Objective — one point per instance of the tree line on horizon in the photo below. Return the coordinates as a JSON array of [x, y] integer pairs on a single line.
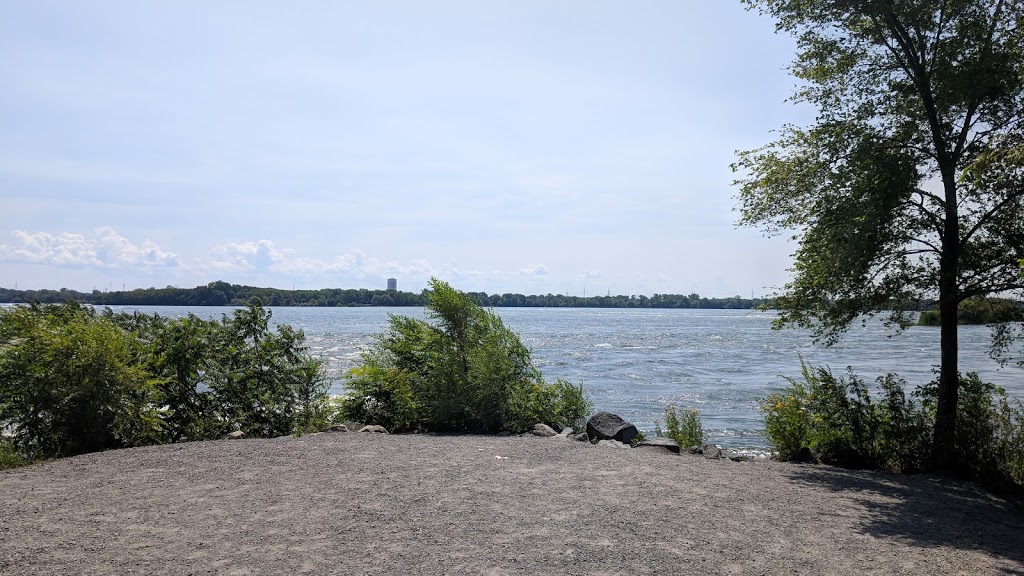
[[224, 294]]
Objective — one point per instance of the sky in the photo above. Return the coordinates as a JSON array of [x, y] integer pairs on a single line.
[[574, 147]]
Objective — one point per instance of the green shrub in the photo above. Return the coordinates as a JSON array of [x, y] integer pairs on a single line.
[[70, 383], [929, 318], [263, 382], [465, 371], [74, 381], [839, 422], [686, 430], [989, 431], [9, 456]]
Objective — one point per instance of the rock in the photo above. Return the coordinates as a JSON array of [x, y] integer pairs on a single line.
[[581, 437], [543, 430], [712, 452], [695, 450], [236, 435], [374, 428], [663, 443], [566, 432], [337, 428], [608, 426], [612, 444]]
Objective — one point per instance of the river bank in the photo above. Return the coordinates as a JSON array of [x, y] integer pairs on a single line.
[[382, 504]]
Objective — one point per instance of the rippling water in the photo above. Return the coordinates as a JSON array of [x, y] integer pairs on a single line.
[[637, 362]]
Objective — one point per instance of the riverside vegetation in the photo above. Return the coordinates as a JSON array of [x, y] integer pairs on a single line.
[[74, 380], [834, 420], [465, 371]]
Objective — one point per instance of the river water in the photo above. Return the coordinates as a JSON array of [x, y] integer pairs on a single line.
[[637, 362]]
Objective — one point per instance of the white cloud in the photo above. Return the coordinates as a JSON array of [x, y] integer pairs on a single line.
[[264, 256], [534, 270], [103, 248]]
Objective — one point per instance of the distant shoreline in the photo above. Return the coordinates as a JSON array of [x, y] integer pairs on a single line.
[[224, 294]]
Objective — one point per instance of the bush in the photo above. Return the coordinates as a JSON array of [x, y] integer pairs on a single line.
[[70, 383], [686, 430], [989, 432], [263, 383], [839, 422], [466, 371], [74, 381], [9, 457]]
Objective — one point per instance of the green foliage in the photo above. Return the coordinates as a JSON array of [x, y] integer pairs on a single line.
[[224, 294], [990, 432], [979, 310], [74, 381], [466, 371], [839, 422], [910, 184], [686, 429], [9, 456], [837, 419], [69, 383], [263, 381]]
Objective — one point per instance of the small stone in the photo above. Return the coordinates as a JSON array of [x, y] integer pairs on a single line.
[[712, 452], [582, 437], [663, 443], [374, 428], [567, 431], [613, 444], [236, 435], [337, 428], [543, 430]]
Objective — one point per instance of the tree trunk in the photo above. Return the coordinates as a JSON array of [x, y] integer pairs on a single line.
[[944, 438]]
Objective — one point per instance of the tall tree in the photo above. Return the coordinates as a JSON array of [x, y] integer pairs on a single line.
[[910, 183]]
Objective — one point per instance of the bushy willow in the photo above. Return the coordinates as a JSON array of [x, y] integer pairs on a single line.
[[463, 370]]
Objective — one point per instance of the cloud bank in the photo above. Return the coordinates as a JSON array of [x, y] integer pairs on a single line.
[[103, 248]]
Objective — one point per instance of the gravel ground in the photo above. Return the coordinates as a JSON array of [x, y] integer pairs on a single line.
[[349, 503]]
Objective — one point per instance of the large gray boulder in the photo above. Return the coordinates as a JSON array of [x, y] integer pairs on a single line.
[[608, 426]]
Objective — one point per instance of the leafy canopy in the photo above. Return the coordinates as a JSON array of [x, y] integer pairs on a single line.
[[909, 185]]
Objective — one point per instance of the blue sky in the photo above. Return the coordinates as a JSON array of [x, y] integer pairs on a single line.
[[520, 146]]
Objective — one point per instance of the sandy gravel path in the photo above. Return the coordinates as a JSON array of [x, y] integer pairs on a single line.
[[352, 503]]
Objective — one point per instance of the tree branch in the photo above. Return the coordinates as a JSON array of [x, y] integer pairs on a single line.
[[987, 216]]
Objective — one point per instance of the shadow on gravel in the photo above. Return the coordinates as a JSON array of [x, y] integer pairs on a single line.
[[926, 510]]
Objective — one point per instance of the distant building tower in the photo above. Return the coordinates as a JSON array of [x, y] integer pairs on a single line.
[[392, 285]]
